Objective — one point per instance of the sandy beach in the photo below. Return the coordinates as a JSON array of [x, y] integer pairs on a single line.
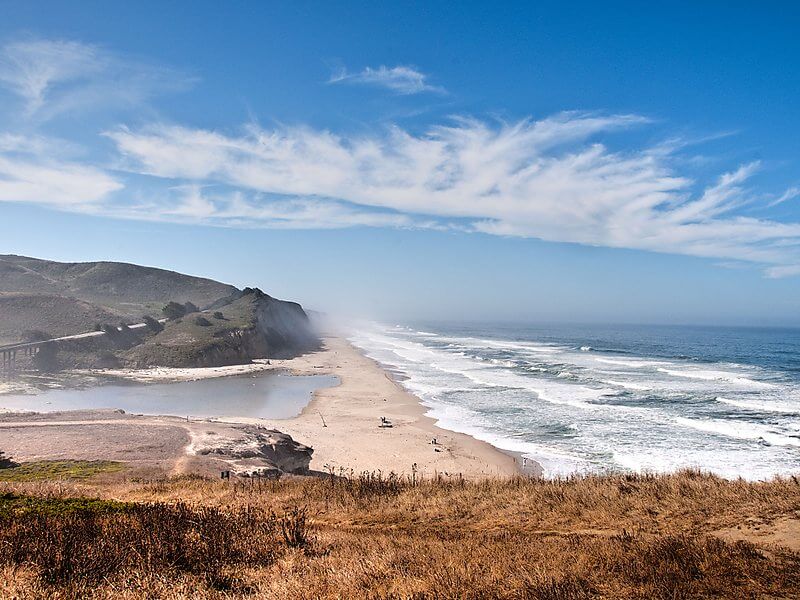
[[341, 423], [351, 437]]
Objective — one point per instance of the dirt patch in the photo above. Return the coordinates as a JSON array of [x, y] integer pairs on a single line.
[[783, 532]]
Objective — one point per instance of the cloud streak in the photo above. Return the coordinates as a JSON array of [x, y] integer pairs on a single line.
[[401, 79], [206, 205], [60, 184], [548, 179], [53, 77]]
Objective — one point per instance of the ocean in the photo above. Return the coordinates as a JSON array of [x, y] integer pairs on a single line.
[[601, 398]]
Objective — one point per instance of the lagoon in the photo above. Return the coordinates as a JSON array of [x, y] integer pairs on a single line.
[[267, 396]]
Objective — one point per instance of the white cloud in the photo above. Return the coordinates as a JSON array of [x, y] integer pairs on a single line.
[[37, 169], [547, 179], [401, 79], [197, 204], [32, 68], [783, 271], [790, 194], [52, 77], [60, 184]]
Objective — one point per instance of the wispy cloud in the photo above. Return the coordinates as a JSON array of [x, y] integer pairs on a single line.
[[783, 271], [204, 205], [401, 79], [549, 178], [546, 179], [28, 174], [790, 194], [52, 77]]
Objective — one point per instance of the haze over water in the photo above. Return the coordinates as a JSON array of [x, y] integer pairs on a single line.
[[594, 398]]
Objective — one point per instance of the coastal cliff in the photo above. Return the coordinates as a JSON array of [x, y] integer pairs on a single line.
[[247, 325], [211, 323]]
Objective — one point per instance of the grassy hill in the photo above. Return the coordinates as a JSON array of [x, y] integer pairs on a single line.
[[125, 289], [69, 298], [53, 315], [60, 299], [234, 330]]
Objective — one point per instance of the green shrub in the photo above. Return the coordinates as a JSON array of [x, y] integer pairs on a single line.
[[152, 324], [173, 310], [35, 335], [6, 462], [46, 359]]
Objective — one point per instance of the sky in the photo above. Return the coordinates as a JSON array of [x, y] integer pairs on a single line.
[[613, 162]]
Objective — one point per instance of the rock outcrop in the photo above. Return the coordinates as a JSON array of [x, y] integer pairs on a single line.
[[249, 324], [259, 451]]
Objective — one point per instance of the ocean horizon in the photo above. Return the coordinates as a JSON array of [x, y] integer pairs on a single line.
[[599, 398]]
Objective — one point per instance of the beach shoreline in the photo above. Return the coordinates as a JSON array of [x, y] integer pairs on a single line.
[[343, 423], [368, 422]]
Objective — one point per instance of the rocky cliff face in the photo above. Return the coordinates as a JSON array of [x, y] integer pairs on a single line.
[[248, 324], [284, 326]]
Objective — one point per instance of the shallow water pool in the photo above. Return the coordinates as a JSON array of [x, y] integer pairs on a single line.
[[267, 396]]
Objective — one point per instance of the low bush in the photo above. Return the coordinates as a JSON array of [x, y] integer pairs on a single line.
[[35, 335], [173, 311], [79, 547], [6, 462], [46, 359], [152, 324]]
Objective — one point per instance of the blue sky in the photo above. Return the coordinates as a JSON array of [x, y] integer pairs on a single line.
[[466, 161]]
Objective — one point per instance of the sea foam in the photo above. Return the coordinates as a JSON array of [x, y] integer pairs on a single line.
[[575, 410]]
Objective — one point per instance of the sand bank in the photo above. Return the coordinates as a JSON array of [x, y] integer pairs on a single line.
[[174, 374]]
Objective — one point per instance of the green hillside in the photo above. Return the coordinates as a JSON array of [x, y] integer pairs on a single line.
[[124, 289], [234, 331], [21, 314]]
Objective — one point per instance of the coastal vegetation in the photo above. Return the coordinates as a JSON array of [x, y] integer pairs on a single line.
[[45, 470], [254, 326], [684, 535], [66, 299], [112, 290]]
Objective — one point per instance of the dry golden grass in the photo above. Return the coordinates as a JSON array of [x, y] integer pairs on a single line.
[[374, 536]]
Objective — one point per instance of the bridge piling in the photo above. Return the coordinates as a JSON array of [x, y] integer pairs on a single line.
[[8, 356]]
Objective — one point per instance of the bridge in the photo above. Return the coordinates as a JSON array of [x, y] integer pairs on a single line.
[[8, 353]]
